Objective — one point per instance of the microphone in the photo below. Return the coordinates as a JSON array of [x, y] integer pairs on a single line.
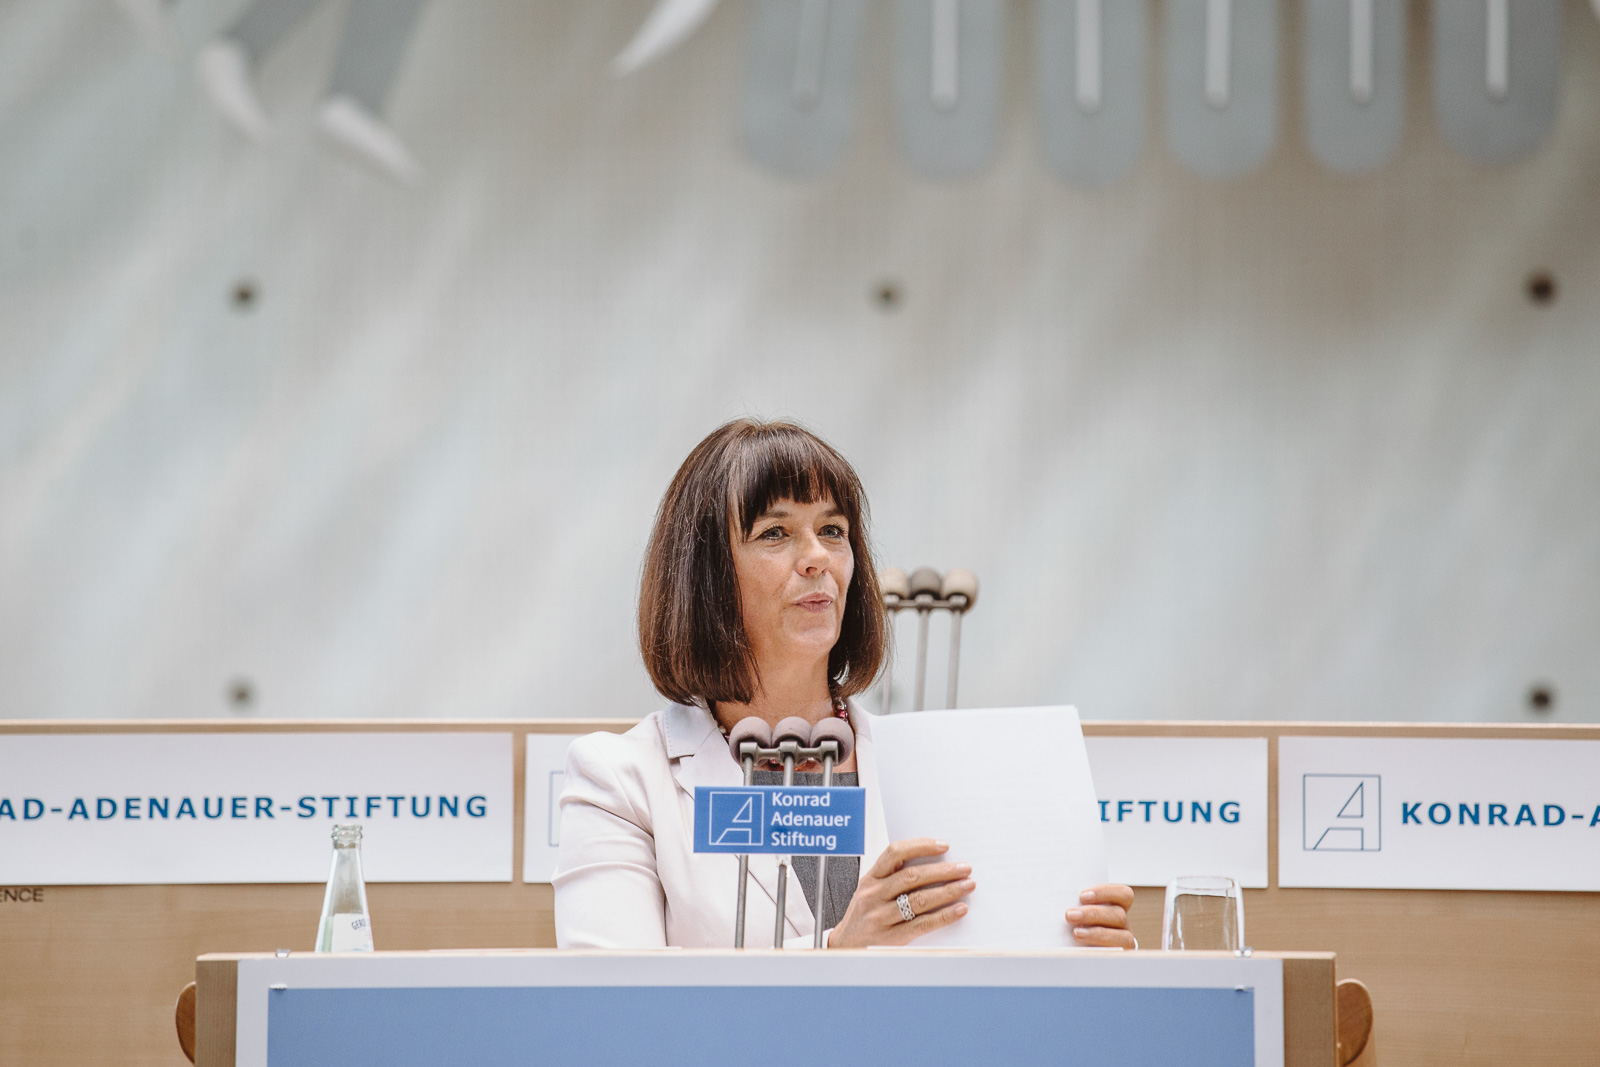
[[749, 737], [750, 728], [838, 731], [793, 740]]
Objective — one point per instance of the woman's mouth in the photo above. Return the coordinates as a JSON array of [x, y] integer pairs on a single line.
[[815, 602]]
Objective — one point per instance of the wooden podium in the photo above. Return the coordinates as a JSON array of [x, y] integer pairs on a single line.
[[766, 1008]]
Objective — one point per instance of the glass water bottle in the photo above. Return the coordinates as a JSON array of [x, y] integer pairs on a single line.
[[345, 926]]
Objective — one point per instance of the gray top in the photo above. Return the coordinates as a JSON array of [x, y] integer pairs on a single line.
[[843, 871]]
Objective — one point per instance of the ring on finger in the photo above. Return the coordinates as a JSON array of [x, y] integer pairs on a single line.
[[903, 902]]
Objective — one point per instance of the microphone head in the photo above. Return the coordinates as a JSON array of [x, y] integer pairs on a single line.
[[834, 729], [960, 582], [892, 580], [925, 580], [750, 728], [794, 728]]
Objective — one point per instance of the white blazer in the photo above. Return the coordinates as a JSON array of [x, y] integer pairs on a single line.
[[627, 875]]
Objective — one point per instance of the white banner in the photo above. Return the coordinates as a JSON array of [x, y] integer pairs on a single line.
[[126, 809], [541, 815], [1182, 805], [1419, 813]]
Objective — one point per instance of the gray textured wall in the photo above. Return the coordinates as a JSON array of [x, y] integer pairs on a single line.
[[1294, 446]]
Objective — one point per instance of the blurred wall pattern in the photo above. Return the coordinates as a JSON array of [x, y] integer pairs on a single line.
[[281, 437]]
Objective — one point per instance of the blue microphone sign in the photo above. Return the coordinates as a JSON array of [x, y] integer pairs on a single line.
[[784, 820]]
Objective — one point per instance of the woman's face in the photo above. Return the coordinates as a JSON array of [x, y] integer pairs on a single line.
[[794, 570]]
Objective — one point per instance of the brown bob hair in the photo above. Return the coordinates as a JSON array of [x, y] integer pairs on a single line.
[[691, 628]]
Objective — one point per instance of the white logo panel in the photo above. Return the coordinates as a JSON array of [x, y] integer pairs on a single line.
[[544, 775], [138, 808], [1182, 805], [1438, 813]]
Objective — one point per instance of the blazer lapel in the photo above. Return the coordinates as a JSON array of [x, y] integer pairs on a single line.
[[697, 750], [700, 756]]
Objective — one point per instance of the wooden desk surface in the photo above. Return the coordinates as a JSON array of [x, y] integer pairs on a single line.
[[1457, 978]]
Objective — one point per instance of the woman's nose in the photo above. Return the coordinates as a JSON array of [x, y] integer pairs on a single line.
[[813, 554]]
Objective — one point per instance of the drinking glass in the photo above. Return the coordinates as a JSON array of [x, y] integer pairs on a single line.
[[1203, 913]]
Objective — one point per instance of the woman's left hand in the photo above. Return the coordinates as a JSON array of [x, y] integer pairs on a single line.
[[1101, 919]]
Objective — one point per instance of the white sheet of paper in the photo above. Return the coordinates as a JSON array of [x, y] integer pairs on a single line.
[[1010, 789]]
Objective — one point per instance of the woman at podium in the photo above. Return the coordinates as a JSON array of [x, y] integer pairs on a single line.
[[759, 597]]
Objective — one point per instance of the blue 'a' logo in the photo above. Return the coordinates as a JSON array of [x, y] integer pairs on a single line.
[[1342, 813], [738, 818]]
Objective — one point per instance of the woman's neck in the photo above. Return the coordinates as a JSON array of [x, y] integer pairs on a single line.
[[785, 689]]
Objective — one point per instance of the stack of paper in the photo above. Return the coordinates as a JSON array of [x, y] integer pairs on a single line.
[[1009, 789]]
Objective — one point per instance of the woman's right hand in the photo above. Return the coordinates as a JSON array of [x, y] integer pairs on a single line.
[[873, 917]]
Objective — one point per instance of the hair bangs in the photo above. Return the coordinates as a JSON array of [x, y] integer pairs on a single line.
[[784, 463]]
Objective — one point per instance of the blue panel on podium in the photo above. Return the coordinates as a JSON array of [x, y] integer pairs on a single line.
[[769, 1026]]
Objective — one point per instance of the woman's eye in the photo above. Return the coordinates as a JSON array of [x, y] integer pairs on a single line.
[[771, 533], [832, 530]]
